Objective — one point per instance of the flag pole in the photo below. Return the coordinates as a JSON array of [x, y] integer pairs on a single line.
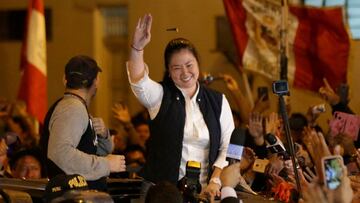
[[245, 80], [283, 76], [284, 41]]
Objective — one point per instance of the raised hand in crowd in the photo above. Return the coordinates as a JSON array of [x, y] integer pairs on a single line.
[[355, 185], [261, 104], [343, 141], [304, 155], [256, 128], [272, 124], [317, 147], [230, 82], [276, 164], [328, 93], [314, 192], [247, 159], [313, 114], [121, 113]]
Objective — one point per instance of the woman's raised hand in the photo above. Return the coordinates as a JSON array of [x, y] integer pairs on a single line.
[[142, 34]]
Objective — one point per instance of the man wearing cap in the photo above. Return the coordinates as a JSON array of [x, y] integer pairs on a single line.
[[74, 141]]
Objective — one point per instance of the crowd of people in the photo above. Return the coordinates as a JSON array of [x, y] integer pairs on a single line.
[[183, 120]]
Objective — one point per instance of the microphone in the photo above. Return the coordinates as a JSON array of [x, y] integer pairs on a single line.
[[274, 144], [236, 146], [207, 79]]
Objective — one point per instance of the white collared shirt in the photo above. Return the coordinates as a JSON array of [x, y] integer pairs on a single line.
[[196, 141]]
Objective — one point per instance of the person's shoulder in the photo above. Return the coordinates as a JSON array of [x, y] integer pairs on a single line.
[[70, 105]]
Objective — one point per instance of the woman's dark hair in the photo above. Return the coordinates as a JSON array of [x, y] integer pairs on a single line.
[[175, 46]]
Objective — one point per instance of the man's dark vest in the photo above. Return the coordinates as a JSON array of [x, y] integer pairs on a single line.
[[167, 132], [85, 145]]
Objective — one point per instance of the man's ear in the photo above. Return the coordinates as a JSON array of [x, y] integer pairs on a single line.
[[64, 80], [96, 81]]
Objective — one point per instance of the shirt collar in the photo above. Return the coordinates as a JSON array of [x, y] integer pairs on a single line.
[[196, 92]]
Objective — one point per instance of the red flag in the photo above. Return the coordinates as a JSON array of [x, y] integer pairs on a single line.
[[318, 41], [33, 86]]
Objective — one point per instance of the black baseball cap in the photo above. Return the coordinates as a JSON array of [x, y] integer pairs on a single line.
[[80, 71], [58, 185]]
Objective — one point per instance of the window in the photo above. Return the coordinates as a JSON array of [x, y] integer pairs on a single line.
[[12, 24]]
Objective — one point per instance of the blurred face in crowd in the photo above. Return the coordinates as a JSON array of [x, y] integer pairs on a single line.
[[119, 142], [184, 70], [135, 158], [27, 167], [143, 131]]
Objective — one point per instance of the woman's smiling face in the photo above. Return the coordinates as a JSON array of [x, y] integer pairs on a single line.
[[184, 69]]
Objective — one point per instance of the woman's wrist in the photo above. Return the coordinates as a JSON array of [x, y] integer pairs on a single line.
[[136, 48], [215, 180]]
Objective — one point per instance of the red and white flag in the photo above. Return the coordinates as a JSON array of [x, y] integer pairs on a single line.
[[318, 43], [33, 86]]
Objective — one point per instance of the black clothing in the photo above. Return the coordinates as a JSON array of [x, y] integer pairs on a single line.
[[167, 131]]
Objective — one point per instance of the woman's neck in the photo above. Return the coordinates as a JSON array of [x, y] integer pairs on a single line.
[[190, 92]]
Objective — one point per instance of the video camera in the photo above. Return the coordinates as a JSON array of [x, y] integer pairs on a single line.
[[280, 87]]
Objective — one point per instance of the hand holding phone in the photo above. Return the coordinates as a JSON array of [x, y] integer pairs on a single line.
[[345, 123]]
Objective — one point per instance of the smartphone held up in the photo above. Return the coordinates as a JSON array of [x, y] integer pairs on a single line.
[[332, 167]]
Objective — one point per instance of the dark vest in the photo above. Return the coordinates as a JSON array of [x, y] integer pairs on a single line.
[[167, 131], [85, 145]]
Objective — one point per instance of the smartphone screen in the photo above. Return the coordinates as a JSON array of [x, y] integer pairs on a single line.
[[263, 91], [332, 167]]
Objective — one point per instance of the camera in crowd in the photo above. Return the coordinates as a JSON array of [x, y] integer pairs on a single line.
[[280, 87], [189, 185]]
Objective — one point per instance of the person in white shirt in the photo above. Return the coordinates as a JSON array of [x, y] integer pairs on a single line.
[[188, 121]]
